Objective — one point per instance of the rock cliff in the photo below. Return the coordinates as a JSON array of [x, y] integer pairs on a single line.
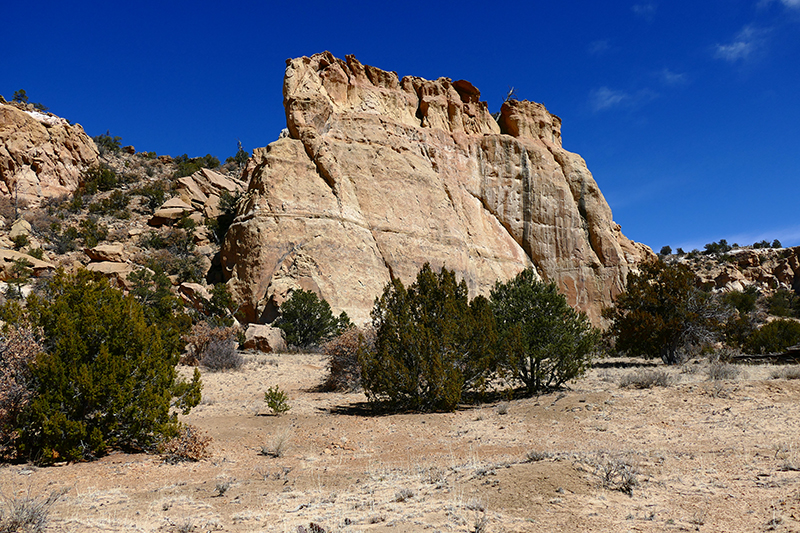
[[768, 269], [41, 155], [377, 175]]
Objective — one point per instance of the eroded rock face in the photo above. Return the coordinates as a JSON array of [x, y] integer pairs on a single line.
[[378, 175], [768, 269], [41, 155]]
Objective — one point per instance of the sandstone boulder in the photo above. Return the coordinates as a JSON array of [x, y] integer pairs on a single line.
[[194, 294], [170, 211], [41, 155], [107, 252], [264, 339], [116, 271], [9, 257], [379, 175]]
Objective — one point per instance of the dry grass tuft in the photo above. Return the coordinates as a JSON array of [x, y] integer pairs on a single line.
[[29, 514], [646, 379], [719, 371], [787, 372]]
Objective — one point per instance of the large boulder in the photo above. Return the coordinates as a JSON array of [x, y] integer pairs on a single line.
[[378, 175], [264, 339], [41, 155]]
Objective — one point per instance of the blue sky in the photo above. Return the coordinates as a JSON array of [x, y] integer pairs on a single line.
[[687, 113]]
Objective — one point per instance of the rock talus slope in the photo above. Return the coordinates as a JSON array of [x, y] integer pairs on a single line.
[[41, 155], [378, 175]]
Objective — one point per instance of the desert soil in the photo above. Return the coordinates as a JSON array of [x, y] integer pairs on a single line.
[[698, 455]]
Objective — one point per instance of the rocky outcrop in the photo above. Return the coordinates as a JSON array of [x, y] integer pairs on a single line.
[[767, 269], [198, 196], [378, 175], [41, 155]]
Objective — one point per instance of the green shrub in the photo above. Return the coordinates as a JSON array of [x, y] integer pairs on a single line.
[[744, 301], [277, 400], [430, 344], [20, 241], [116, 205], [784, 303], [227, 206], [151, 287], [106, 143], [92, 231], [186, 166], [106, 378], [241, 157], [720, 247], [545, 342], [98, 178], [306, 319], [154, 193], [774, 337]]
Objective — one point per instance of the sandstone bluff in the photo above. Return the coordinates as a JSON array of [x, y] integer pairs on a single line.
[[377, 175], [41, 155]]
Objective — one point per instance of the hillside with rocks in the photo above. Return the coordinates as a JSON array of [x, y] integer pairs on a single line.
[[69, 203], [377, 175]]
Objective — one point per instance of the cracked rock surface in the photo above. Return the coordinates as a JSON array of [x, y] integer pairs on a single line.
[[378, 175]]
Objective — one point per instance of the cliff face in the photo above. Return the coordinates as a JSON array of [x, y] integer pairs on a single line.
[[41, 155], [378, 175]]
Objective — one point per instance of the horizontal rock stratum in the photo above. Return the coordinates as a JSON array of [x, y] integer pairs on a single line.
[[378, 175]]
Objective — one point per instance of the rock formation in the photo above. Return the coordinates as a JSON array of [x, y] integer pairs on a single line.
[[41, 155], [378, 175], [767, 269]]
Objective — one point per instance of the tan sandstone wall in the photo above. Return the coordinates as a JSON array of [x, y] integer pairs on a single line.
[[41, 155], [378, 175]]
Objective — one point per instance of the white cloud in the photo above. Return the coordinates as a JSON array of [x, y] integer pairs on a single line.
[[744, 46], [790, 4], [669, 77], [604, 98], [646, 10]]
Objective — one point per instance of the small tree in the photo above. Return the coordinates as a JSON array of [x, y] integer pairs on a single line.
[[20, 96], [429, 345], [105, 378], [662, 311], [665, 250], [544, 341], [306, 319]]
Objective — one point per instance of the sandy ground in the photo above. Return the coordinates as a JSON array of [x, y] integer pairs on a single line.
[[698, 455]]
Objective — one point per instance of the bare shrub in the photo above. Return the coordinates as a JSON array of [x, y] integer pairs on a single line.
[[200, 336], [535, 456], [190, 445], [221, 354], [403, 495], [719, 371], [19, 346], [28, 513], [344, 372], [788, 372], [277, 447], [616, 474], [645, 379], [222, 487]]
